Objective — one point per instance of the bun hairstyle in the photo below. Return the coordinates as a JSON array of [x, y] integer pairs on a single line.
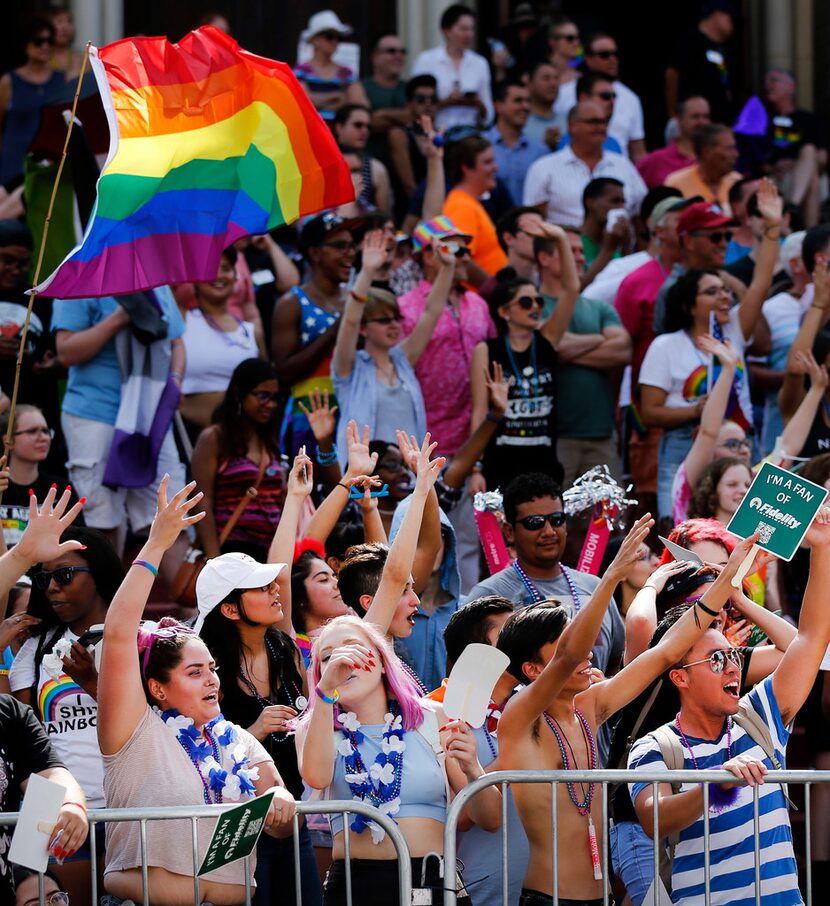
[[507, 283], [160, 651]]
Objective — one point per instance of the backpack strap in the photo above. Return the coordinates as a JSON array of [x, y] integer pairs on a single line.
[[671, 750], [754, 725]]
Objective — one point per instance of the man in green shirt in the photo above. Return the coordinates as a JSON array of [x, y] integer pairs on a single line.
[[592, 353], [603, 237], [385, 91]]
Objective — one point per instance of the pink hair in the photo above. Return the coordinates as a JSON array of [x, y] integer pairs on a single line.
[[693, 530], [399, 685]]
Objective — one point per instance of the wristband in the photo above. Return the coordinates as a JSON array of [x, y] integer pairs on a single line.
[[357, 298], [335, 696], [705, 609], [146, 565], [495, 419], [177, 374], [327, 459], [80, 805], [345, 487]]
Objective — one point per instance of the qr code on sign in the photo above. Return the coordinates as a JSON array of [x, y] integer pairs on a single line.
[[765, 531], [254, 827]]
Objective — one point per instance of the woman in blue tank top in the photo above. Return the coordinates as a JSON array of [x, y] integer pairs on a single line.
[[367, 736]]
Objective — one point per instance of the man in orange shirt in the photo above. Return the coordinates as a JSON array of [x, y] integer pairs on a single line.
[[714, 173], [473, 165]]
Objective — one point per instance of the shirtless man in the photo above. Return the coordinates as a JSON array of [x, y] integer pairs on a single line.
[[304, 325], [552, 723]]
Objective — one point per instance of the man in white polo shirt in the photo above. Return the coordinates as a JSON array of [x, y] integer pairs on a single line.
[[555, 183]]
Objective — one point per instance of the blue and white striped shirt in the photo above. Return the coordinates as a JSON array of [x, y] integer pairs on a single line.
[[732, 859]]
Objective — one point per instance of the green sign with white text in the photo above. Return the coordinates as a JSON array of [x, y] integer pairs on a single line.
[[236, 834], [780, 505]]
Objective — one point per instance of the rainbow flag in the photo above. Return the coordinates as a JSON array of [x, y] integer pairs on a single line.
[[208, 143]]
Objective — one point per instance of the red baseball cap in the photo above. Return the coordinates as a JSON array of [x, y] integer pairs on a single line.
[[702, 216]]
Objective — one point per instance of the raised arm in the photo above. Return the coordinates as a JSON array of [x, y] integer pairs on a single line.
[[323, 424], [612, 694], [714, 410], [576, 641], [286, 274], [398, 567], [121, 700], [641, 616], [300, 485], [797, 429], [770, 204], [345, 348], [795, 675], [479, 366], [415, 344], [555, 326], [436, 180]]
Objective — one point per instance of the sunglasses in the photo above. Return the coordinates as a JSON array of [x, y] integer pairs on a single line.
[[717, 660], [535, 523], [460, 251], [604, 54], [424, 98], [594, 120], [737, 443], [263, 396], [715, 238], [42, 40], [63, 576], [607, 95], [330, 35], [386, 320], [568, 37], [714, 291], [527, 302], [392, 50], [341, 245]]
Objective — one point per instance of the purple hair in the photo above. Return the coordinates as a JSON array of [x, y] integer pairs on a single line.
[[399, 685]]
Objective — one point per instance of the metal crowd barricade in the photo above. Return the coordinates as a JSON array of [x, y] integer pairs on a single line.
[[606, 778], [112, 815]]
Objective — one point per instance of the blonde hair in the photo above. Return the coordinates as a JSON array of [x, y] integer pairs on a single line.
[[380, 302]]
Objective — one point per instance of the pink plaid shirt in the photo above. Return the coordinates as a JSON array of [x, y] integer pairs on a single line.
[[444, 369]]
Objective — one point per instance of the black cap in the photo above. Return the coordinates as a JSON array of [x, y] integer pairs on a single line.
[[315, 230]]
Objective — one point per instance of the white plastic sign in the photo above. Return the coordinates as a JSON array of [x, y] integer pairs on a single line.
[[38, 815], [471, 683]]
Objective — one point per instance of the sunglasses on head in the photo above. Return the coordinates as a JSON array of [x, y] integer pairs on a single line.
[[717, 660], [535, 523], [63, 576], [716, 238], [386, 320], [527, 302]]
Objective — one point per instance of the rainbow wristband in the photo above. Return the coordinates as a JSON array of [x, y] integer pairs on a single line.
[[146, 565], [335, 696]]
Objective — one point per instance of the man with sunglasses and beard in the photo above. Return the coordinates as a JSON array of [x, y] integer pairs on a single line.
[[707, 679], [535, 526]]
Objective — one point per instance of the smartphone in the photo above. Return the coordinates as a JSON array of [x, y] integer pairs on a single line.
[[92, 636]]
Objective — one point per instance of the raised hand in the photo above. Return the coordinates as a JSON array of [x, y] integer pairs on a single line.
[[770, 202], [427, 141], [818, 535], [342, 663], [427, 470], [498, 389], [79, 665], [301, 476], [16, 629], [361, 461], [818, 373], [373, 251], [627, 554], [444, 255], [460, 744], [658, 579], [41, 540], [173, 517], [321, 416], [725, 351], [736, 558], [409, 451]]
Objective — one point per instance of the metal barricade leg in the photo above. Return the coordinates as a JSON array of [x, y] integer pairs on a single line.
[[505, 885], [298, 881]]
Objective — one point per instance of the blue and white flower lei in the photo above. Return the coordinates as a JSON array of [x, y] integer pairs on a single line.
[[207, 756], [380, 784]]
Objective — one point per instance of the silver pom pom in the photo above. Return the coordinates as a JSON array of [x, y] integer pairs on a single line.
[[488, 502], [597, 490]]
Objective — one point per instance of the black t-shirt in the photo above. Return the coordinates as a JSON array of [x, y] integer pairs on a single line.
[[24, 750], [704, 68], [818, 440], [525, 440], [788, 133], [663, 710], [14, 510], [244, 710]]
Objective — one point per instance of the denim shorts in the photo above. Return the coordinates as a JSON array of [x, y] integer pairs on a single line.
[[632, 855]]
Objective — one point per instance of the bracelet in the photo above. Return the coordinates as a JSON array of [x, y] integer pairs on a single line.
[[146, 565], [495, 419], [357, 298], [345, 487], [705, 609], [80, 805], [327, 459], [177, 374], [335, 696]]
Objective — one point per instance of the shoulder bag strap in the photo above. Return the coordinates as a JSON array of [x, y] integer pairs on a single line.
[[264, 459]]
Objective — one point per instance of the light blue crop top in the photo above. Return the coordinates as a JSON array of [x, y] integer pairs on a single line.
[[423, 791]]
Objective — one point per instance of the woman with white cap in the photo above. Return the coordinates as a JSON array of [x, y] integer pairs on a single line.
[[328, 85], [163, 738], [264, 678]]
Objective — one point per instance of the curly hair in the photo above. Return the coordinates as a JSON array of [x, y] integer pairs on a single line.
[[234, 428], [704, 503], [680, 299]]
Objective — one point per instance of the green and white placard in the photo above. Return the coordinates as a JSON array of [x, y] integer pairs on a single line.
[[780, 505], [237, 832]]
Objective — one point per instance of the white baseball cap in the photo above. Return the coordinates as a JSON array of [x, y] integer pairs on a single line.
[[326, 20], [221, 575]]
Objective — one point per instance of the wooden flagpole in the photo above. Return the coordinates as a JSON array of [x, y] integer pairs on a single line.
[[7, 440]]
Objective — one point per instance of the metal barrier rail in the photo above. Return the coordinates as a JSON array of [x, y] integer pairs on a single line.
[[504, 778], [170, 813]]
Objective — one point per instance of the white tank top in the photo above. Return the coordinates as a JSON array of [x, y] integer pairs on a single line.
[[212, 355]]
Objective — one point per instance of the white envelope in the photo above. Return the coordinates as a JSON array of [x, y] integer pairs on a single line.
[[38, 814], [472, 681]]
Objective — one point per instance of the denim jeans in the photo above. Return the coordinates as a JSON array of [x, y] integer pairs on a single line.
[[275, 871], [674, 445], [632, 855]]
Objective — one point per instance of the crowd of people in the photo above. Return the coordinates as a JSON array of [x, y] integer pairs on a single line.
[[271, 597]]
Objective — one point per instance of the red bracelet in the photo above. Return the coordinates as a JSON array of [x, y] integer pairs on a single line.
[[80, 805]]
